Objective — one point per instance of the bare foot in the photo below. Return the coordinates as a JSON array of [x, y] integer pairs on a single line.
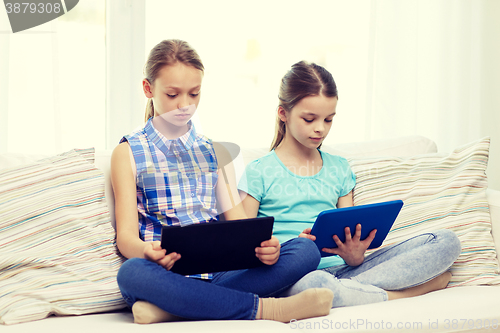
[[439, 282]]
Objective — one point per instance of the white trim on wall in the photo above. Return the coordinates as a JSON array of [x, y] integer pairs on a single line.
[[125, 58], [4, 90]]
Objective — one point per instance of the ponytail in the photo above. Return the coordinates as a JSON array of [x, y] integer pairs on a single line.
[[150, 110], [279, 133]]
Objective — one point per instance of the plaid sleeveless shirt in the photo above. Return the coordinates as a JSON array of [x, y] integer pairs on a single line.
[[175, 179]]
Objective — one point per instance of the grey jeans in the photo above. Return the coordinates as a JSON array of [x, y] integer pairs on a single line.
[[396, 267]]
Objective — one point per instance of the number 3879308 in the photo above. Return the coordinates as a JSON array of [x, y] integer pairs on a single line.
[[32, 8], [472, 324]]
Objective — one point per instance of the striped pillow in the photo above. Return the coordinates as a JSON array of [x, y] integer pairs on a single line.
[[439, 192], [57, 249]]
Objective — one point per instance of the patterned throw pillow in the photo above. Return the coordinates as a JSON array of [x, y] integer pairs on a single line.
[[57, 247], [439, 192]]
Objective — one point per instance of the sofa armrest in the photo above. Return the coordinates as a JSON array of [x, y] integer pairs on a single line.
[[493, 197]]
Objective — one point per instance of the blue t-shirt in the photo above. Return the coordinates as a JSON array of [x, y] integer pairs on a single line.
[[296, 201]]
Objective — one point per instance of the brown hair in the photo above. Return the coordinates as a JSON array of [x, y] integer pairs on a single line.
[[165, 53], [302, 80]]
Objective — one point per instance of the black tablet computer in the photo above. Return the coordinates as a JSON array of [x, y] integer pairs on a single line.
[[380, 216], [217, 246]]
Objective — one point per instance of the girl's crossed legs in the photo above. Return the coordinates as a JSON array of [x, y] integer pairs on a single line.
[[229, 295], [409, 268]]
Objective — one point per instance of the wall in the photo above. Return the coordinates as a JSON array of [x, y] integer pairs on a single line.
[[490, 85]]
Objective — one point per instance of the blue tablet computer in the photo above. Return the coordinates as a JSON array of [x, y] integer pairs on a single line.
[[380, 216]]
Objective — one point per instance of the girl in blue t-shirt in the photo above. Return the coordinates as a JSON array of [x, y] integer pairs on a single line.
[[166, 174], [296, 180]]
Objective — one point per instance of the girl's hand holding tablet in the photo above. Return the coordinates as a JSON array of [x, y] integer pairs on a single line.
[[153, 252], [353, 249], [269, 252], [307, 234]]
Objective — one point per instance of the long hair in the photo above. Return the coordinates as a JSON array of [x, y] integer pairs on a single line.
[[165, 53], [302, 80]]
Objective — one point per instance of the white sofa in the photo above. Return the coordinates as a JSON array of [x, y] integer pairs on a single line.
[[456, 309]]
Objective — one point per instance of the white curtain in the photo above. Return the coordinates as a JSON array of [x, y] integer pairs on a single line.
[[432, 69], [403, 67], [409, 67], [425, 71]]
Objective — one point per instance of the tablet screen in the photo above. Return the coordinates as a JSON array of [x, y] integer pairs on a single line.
[[217, 246]]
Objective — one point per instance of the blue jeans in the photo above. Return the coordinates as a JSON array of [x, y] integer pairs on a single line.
[[396, 267], [229, 295]]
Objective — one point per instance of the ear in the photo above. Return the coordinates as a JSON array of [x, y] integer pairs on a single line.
[[282, 114], [146, 87]]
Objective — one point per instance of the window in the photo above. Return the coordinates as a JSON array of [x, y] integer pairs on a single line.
[[53, 83]]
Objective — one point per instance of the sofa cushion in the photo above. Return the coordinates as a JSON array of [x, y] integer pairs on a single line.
[[57, 250], [438, 191]]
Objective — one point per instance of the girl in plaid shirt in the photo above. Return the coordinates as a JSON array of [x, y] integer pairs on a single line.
[[166, 174]]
